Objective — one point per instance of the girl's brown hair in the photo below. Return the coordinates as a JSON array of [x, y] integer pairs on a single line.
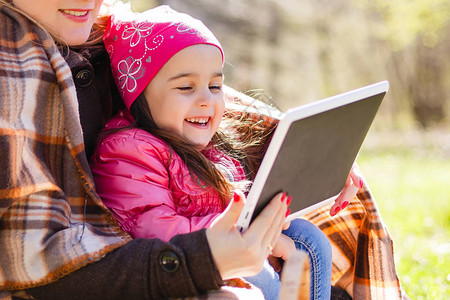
[[248, 148], [196, 162]]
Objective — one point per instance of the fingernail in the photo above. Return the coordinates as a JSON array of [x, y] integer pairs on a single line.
[[344, 205], [288, 212], [336, 210], [361, 183], [283, 197], [289, 200], [236, 197]]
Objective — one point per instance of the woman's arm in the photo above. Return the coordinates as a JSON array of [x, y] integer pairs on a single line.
[[186, 266], [142, 269]]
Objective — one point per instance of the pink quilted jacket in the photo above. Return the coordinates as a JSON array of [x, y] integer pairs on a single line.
[[150, 195]]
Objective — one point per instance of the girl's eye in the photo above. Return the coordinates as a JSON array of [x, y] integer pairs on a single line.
[[184, 88], [215, 87]]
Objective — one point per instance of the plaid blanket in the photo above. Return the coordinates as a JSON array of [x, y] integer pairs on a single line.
[[50, 213], [363, 258], [47, 197], [52, 222]]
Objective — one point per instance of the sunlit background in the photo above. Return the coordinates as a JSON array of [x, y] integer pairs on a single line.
[[290, 52]]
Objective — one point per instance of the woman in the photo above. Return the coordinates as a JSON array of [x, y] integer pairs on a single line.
[[57, 239]]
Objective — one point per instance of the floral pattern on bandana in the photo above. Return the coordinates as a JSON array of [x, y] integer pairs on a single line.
[[129, 71], [139, 47], [135, 32]]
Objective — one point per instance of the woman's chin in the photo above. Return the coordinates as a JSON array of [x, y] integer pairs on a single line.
[[74, 38]]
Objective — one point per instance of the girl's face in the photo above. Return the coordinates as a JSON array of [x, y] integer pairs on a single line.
[[186, 94], [69, 20]]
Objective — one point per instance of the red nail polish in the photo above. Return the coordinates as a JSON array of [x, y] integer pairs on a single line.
[[337, 209], [344, 205], [361, 183], [283, 197], [289, 200], [288, 212], [236, 197]]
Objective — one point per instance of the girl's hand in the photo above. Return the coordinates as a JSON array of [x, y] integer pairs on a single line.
[[353, 183], [283, 248], [236, 254]]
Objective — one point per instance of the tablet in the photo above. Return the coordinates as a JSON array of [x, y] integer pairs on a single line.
[[312, 151]]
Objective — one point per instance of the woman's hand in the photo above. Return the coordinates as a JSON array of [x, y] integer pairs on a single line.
[[236, 254], [353, 183]]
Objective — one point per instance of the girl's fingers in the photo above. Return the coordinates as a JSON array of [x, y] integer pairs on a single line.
[[347, 194], [353, 183], [339, 200], [356, 176], [286, 225]]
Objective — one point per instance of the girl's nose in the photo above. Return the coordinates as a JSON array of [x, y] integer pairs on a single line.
[[205, 98]]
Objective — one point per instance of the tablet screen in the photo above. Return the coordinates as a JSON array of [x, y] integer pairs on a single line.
[[317, 154]]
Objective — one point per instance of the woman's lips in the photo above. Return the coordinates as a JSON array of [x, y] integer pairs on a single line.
[[77, 15]]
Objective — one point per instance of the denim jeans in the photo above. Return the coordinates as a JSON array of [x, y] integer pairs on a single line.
[[309, 238]]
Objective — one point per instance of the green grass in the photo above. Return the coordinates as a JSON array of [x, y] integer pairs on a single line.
[[411, 185]]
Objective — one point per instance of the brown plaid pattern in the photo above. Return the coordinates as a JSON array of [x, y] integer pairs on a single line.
[[363, 258], [51, 220]]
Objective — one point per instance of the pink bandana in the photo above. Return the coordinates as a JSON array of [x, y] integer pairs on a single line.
[[139, 47]]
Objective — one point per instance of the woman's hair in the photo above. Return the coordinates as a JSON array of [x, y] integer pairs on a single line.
[[98, 29], [9, 4], [108, 8]]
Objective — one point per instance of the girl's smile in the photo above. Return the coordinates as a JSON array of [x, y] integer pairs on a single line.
[[199, 122]]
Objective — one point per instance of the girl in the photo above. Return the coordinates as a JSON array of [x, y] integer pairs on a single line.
[[162, 167], [57, 239]]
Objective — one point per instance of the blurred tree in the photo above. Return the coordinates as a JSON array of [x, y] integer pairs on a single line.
[[141, 5], [300, 50], [417, 32]]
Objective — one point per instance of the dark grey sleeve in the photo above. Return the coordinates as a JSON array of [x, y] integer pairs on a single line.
[[142, 269]]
